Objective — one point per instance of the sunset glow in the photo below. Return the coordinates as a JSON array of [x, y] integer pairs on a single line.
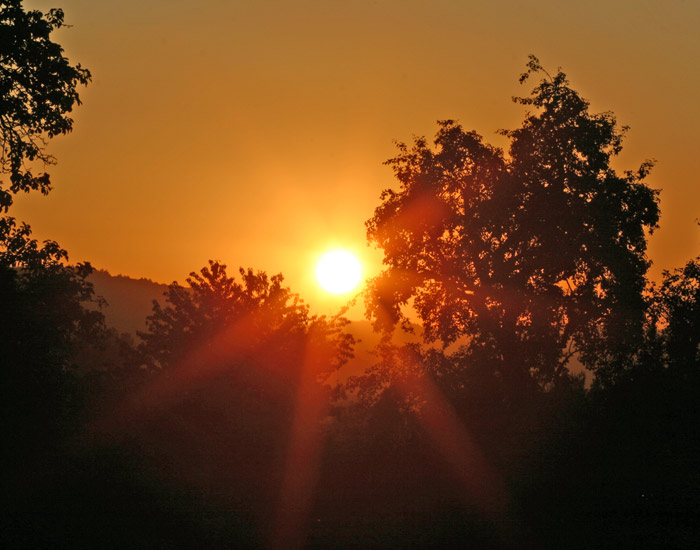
[[295, 275], [338, 271]]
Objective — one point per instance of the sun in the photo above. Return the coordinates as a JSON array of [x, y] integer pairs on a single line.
[[338, 271]]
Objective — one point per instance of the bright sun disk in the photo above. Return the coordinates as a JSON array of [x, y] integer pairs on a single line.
[[338, 271]]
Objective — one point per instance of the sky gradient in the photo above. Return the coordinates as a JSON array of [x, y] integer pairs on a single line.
[[254, 132]]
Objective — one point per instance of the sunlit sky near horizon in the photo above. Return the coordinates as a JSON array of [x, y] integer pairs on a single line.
[[254, 132]]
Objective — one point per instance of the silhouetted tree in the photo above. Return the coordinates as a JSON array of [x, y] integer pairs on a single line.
[[58, 357], [537, 256], [218, 316], [38, 89], [515, 264], [251, 336], [678, 302], [49, 313], [640, 445], [46, 302], [239, 365]]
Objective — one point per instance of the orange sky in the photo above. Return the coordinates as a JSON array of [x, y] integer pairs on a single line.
[[254, 132]]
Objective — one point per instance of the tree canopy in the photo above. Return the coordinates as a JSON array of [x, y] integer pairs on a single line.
[[536, 255], [256, 320], [38, 89], [677, 304]]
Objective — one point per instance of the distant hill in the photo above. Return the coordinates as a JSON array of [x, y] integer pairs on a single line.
[[129, 301]]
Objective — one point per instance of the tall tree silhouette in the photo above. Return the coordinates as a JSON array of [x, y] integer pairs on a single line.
[[529, 257], [38, 90], [49, 311], [46, 298]]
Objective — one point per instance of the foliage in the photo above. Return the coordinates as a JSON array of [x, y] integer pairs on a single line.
[[49, 314], [218, 316], [678, 307], [37, 93], [537, 255], [238, 366], [50, 305], [18, 250]]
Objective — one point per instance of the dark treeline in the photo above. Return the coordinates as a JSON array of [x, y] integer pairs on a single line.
[[224, 422]]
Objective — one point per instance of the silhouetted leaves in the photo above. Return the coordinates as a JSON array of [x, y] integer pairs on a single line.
[[539, 254], [38, 89], [218, 317], [678, 302], [45, 320]]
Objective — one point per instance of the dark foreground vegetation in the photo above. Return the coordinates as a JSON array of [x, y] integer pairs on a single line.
[[223, 424]]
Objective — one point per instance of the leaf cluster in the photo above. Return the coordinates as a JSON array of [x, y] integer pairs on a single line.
[[38, 90]]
